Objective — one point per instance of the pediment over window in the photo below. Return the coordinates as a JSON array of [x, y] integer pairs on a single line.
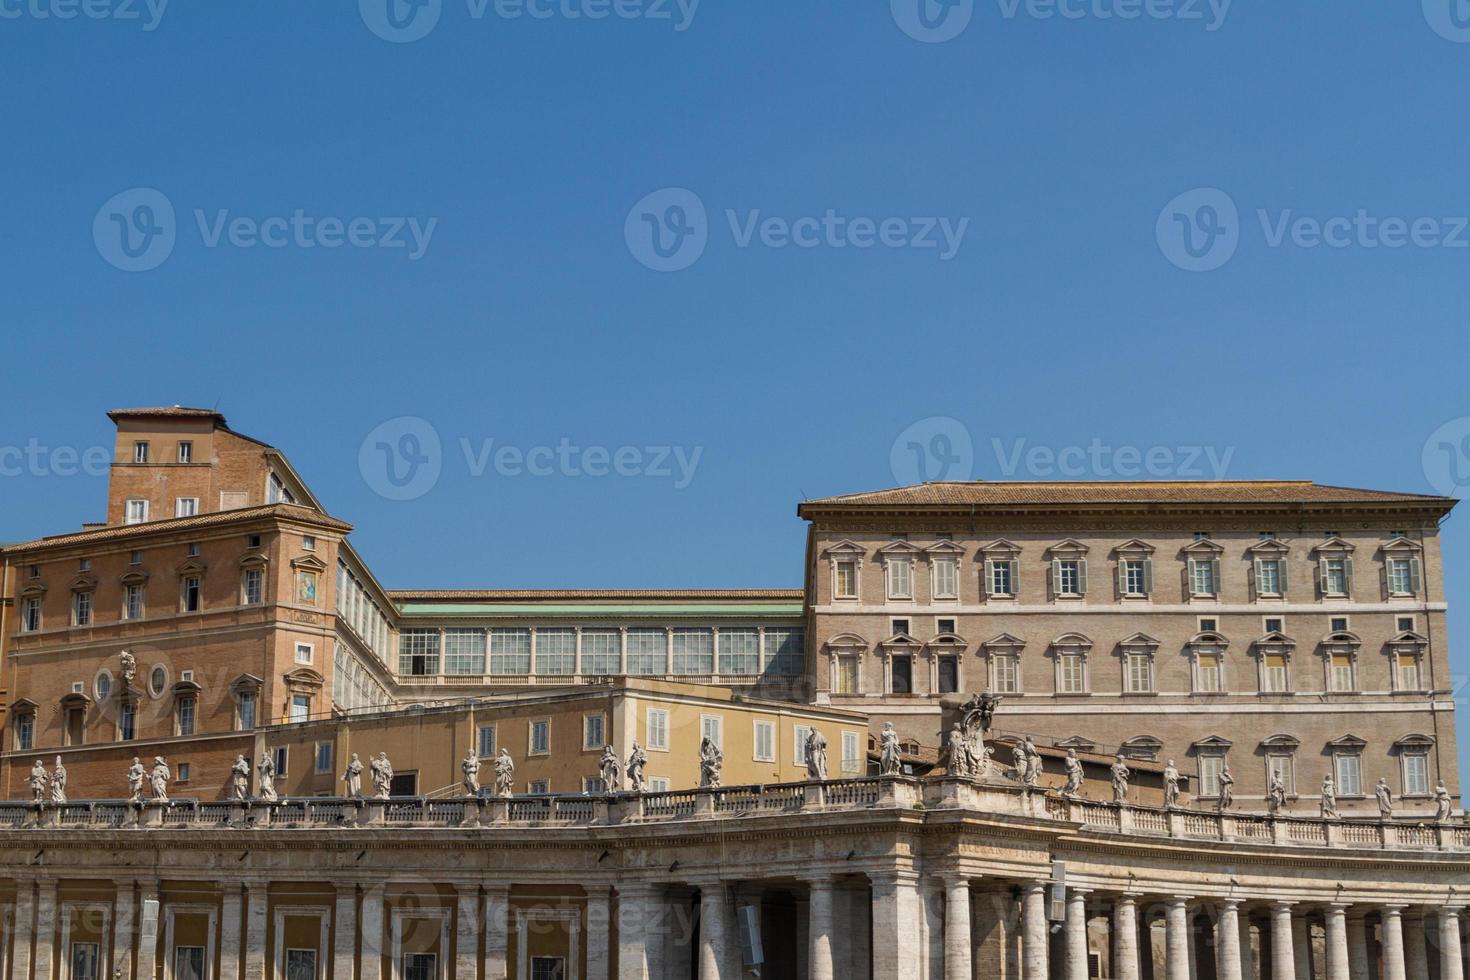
[[254, 560], [1072, 641], [23, 706], [1208, 638], [899, 548], [1139, 640], [1204, 546], [999, 549], [1213, 743], [1134, 547], [1070, 548], [84, 583], [75, 699], [134, 578], [245, 684], [1342, 638], [844, 549], [1409, 638], [1003, 642], [948, 640], [1145, 747], [1288, 743], [1348, 742], [1332, 547], [1077, 742], [309, 563], [1415, 742], [33, 591], [1268, 548], [1401, 547], [192, 567], [945, 548], [186, 688], [304, 679], [900, 640], [1275, 642]]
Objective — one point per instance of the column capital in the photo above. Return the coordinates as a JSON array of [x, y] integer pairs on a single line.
[[954, 879], [1393, 908], [891, 877]]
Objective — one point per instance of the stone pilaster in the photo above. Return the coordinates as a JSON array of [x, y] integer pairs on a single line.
[[1337, 942], [1034, 931], [497, 931], [1176, 939], [599, 933], [896, 926], [1283, 958], [229, 932], [1357, 937], [1076, 934], [821, 926], [344, 933], [958, 944], [635, 932], [467, 923], [1393, 942], [1125, 938], [124, 921], [149, 914], [1416, 945], [1227, 942], [1301, 947], [257, 894], [371, 967], [45, 927], [1451, 965]]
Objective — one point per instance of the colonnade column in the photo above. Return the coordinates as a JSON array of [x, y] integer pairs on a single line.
[[1247, 950], [599, 933], [1451, 967], [1357, 937], [229, 933], [45, 926], [1283, 960], [372, 934], [497, 931], [1076, 934], [344, 930], [148, 914], [635, 910], [714, 931], [124, 920], [256, 893], [820, 927], [1393, 943], [1034, 929], [1337, 943], [1416, 946], [1227, 942], [959, 955], [467, 931], [1301, 947], [1176, 939], [1125, 938], [897, 937]]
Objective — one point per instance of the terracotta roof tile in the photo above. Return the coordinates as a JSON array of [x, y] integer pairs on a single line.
[[165, 411], [982, 493], [213, 519]]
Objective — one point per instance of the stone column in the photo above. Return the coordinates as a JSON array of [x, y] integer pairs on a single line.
[[897, 949], [714, 931], [599, 933], [958, 949], [467, 932], [497, 931], [344, 932], [1357, 939], [931, 906], [124, 920], [1393, 942], [853, 923], [1125, 938], [371, 967], [1283, 960], [1076, 934], [45, 927], [256, 894], [1301, 947], [821, 926], [1416, 947], [1451, 967], [634, 932], [1034, 930], [1337, 942], [149, 912], [1176, 939], [1247, 952], [229, 933], [1227, 942]]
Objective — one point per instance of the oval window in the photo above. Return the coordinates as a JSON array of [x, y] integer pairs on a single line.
[[103, 686], [158, 680]]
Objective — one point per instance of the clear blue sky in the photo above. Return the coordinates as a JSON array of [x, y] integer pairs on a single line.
[[1055, 144]]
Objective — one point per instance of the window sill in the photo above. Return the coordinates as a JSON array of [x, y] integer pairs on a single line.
[[1072, 694], [1141, 694]]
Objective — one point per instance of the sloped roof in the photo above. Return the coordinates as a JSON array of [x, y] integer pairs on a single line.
[[212, 519], [990, 493], [552, 595]]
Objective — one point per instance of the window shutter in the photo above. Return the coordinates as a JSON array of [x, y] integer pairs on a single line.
[[1347, 576], [1322, 576], [1190, 579], [1082, 576], [1056, 577], [1148, 576], [1281, 573], [1414, 575], [1122, 577], [1015, 564], [1256, 576], [1215, 577], [1385, 578], [989, 577]]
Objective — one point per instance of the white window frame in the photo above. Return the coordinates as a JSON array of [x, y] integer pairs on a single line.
[[997, 568], [186, 506], [544, 725], [712, 725], [763, 731], [1285, 762], [852, 754], [837, 572], [899, 586], [1127, 587], [331, 748], [1342, 760], [310, 652], [1012, 660], [799, 735], [937, 585], [82, 607], [135, 511], [140, 452], [1130, 658], [1407, 790], [656, 730], [1209, 782], [31, 614]]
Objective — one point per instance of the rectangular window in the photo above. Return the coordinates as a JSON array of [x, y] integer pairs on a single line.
[[602, 653], [1069, 577], [140, 452], [765, 742], [282, 758], [25, 731], [464, 652], [252, 588], [593, 785], [1210, 767], [903, 675], [548, 968], [712, 727], [1282, 766], [900, 578], [1140, 673], [785, 652], [845, 580], [1071, 676], [186, 507], [192, 549], [851, 754], [304, 653], [694, 650], [247, 711], [1202, 577], [132, 602], [1349, 775], [184, 770], [658, 729], [191, 593], [1211, 673], [30, 615], [648, 651], [556, 651], [900, 627], [1275, 625], [1275, 673], [658, 784], [186, 452], [943, 626], [300, 708], [1269, 579], [485, 741], [800, 735], [1408, 672], [1136, 577], [83, 961], [186, 711], [538, 787], [188, 963], [592, 732], [301, 964], [1334, 576], [127, 722], [1402, 577], [1007, 674], [422, 966], [540, 737], [740, 650], [1338, 624], [1342, 672], [136, 512], [1416, 775], [946, 579], [1000, 578], [949, 674], [324, 757], [418, 652], [81, 609], [847, 674]]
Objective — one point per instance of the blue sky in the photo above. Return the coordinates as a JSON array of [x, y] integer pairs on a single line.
[[1067, 156]]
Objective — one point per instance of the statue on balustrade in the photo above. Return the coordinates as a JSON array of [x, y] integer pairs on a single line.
[[58, 782], [1329, 798], [37, 780], [612, 771], [889, 763], [158, 780], [1227, 789], [1074, 775], [1171, 785], [1276, 794], [266, 770], [711, 762], [353, 778], [470, 767], [505, 774], [978, 712], [1444, 804], [816, 756], [1385, 799], [382, 775], [637, 762], [1031, 763], [1121, 775], [136, 776], [958, 747], [240, 779]]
